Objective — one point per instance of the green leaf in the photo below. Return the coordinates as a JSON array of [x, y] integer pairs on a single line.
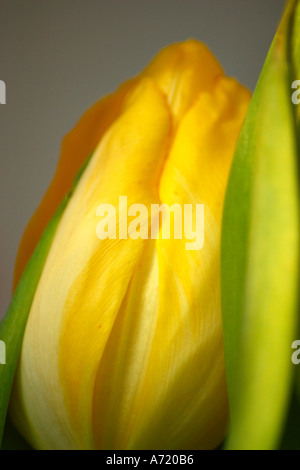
[[291, 436], [12, 439], [13, 325], [296, 67], [260, 256], [296, 44]]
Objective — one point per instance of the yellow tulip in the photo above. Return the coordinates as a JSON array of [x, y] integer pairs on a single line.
[[123, 348]]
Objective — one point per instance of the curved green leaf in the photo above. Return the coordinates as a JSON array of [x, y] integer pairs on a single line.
[[260, 256], [13, 325]]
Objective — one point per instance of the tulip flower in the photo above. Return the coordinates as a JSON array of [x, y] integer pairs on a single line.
[[123, 346], [137, 323]]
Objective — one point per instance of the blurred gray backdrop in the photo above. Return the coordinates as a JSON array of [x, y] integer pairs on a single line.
[[57, 57]]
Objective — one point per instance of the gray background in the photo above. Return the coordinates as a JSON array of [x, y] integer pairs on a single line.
[[57, 57]]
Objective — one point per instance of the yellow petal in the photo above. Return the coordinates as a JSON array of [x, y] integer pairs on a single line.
[[182, 71], [184, 403], [76, 306], [161, 382], [76, 147], [119, 384]]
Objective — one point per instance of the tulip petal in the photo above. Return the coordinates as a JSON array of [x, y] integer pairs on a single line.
[[186, 363], [192, 69], [260, 257], [77, 145], [67, 332], [119, 388], [167, 388]]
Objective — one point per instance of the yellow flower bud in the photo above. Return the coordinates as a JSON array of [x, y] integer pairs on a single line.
[[123, 347]]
